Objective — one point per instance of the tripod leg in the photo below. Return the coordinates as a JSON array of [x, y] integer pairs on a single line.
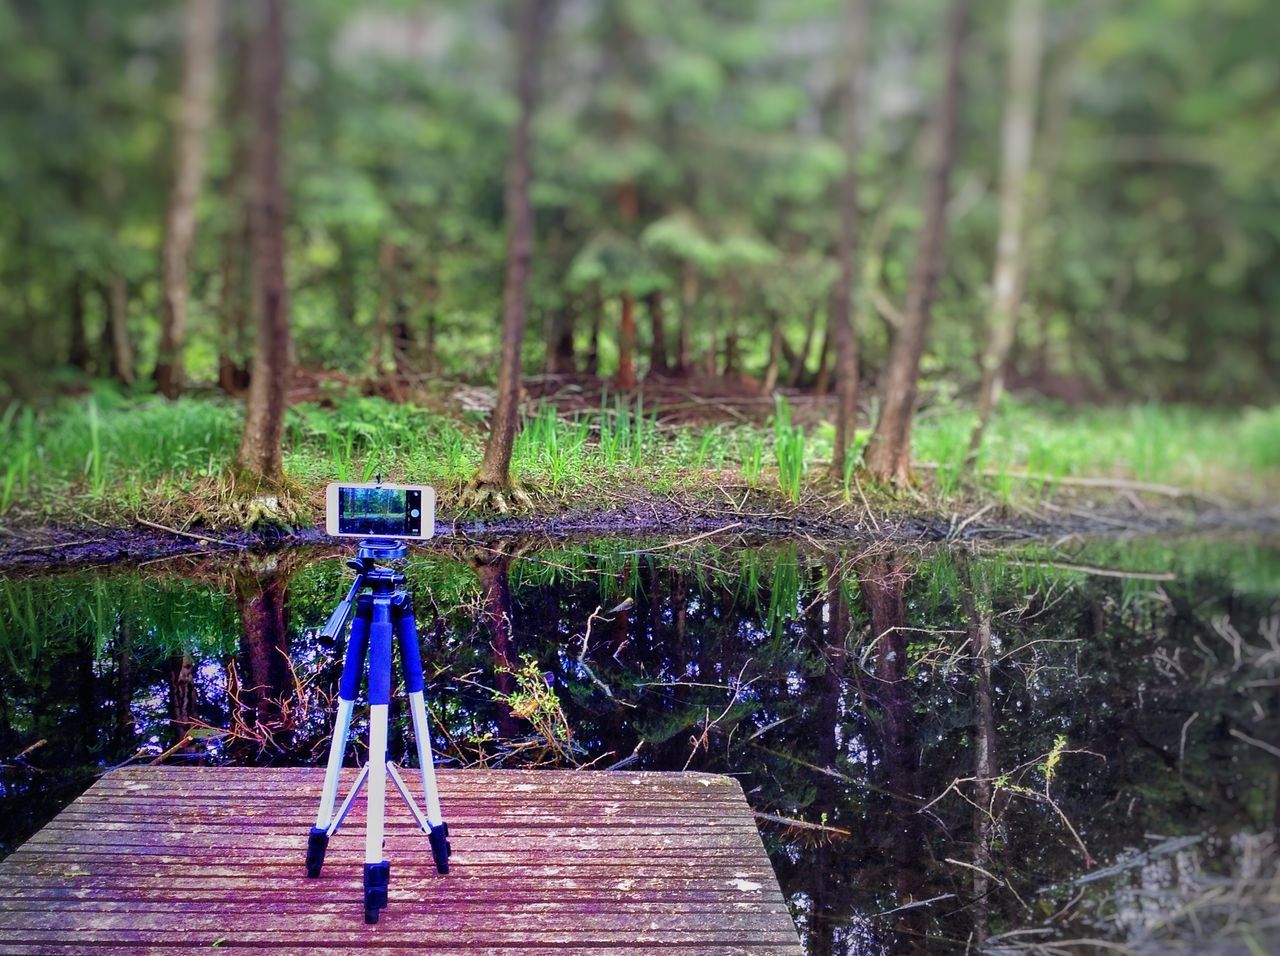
[[415, 685], [377, 872], [352, 668]]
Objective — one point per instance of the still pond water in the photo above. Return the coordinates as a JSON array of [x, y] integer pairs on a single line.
[[948, 749]]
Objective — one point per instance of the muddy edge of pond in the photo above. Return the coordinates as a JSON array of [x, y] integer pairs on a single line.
[[41, 548]]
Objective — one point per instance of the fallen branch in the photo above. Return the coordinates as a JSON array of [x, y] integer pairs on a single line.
[[56, 545], [190, 534], [676, 544], [1114, 572]]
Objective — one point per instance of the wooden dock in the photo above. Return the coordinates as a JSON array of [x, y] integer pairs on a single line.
[[158, 859]]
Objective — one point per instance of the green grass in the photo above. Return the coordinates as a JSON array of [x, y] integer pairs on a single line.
[[1208, 450], [789, 451], [110, 457]]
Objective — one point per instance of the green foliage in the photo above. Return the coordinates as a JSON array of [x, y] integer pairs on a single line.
[[1260, 437], [128, 454], [1201, 448], [788, 449]]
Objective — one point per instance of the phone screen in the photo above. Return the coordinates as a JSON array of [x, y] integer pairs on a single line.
[[380, 512]]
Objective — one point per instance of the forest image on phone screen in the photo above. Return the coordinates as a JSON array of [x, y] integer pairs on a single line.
[[378, 512]]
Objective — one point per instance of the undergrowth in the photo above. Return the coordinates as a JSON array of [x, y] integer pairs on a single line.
[[112, 458]]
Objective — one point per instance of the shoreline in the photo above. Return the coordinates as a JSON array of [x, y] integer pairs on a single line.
[[55, 546]]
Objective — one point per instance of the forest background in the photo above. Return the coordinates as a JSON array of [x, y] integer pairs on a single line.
[[806, 252]]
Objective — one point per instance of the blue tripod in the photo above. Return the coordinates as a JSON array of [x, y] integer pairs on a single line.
[[386, 609]]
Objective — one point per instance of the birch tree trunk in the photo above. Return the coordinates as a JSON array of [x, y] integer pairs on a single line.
[[260, 455], [1017, 142], [199, 53], [495, 469], [889, 451], [843, 311]]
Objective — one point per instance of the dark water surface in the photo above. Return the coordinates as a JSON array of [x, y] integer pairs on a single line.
[[948, 749]]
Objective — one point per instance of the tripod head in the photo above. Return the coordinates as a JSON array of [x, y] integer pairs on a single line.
[[370, 553]]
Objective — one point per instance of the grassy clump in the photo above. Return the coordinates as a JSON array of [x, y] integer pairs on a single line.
[[789, 450]]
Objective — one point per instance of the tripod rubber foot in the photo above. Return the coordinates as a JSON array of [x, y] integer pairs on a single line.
[[377, 878], [317, 843], [440, 848]]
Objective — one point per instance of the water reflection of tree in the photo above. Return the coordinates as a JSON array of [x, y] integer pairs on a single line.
[[883, 583], [262, 667], [492, 567]]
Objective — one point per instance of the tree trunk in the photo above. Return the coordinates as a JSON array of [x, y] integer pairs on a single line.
[[593, 346], [261, 596], [822, 381], [889, 451], [627, 343], [883, 589], [733, 305], [843, 311], [497, 611], [234, 303], [658, 346], [775, 354], [688, 302], [797, 370], [182, 695], [260, 452], [977, 603], [234, 306], [1017, 142], [78, 351], [199, 53], [346, 292], [404, 345], [629, 210], [560, 360], [387, 264], [495, 469], [123, 654], [115, 300]]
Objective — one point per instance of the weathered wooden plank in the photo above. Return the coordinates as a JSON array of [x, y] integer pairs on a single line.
[[169, 858]]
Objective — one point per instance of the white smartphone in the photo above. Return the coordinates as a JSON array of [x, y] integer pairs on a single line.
[[373, 510]]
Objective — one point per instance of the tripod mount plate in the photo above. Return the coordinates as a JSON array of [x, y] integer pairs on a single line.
[[382, 549]]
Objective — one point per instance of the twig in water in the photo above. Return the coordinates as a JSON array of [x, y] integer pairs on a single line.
[[917, 903], [676, 544], [1254, 741], [800, 824], [991, 876]]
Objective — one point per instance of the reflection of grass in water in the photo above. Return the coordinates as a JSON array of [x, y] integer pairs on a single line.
[[44, 617]]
